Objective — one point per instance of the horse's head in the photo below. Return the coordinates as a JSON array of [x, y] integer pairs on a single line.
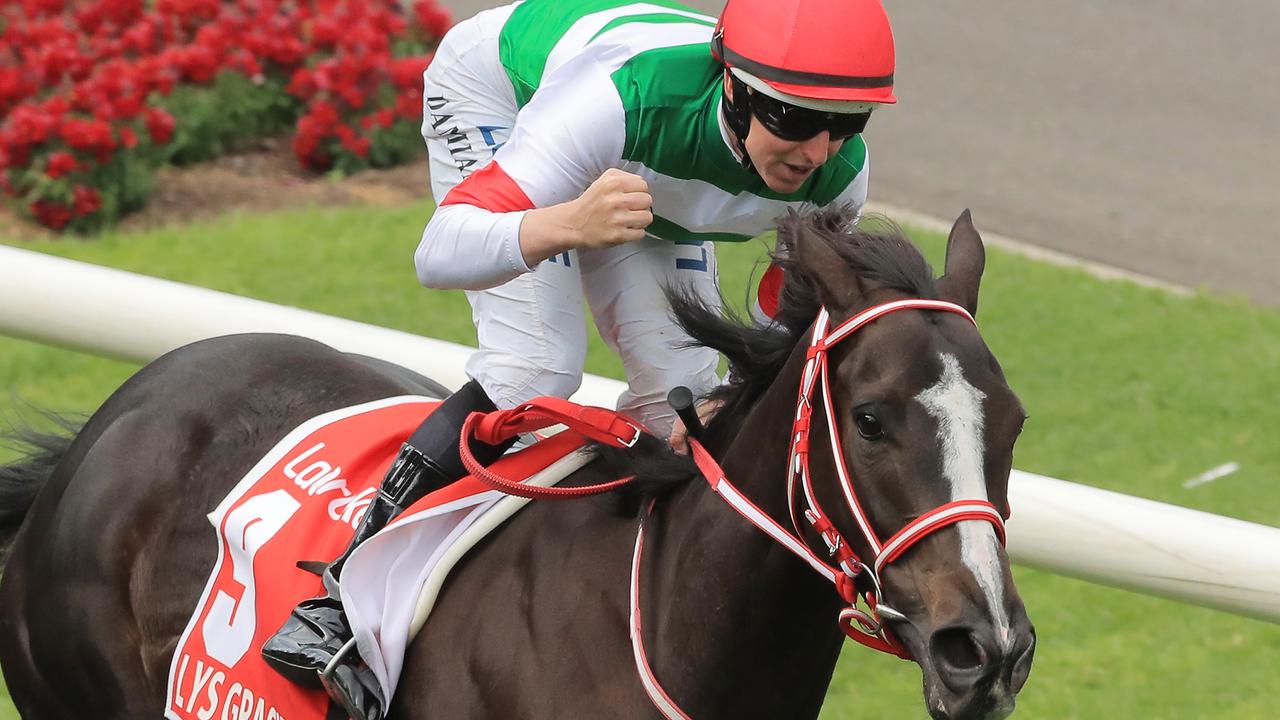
[[924, 419]]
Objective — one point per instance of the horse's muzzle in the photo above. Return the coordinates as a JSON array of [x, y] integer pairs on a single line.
[[973, 674]]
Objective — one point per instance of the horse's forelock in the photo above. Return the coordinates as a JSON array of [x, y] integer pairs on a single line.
[[875, 250]]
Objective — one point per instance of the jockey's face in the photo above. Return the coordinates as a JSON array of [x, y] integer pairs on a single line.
[[786, 164], [783, 164]]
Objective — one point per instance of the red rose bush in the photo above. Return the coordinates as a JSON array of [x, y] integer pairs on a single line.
[[94, 95]]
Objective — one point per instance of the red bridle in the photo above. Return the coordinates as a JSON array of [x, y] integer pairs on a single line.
[[864, 626]]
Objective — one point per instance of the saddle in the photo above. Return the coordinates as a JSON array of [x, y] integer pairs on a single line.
[[304, 500]]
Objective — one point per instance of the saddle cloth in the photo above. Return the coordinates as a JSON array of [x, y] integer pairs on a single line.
[[302, 501]]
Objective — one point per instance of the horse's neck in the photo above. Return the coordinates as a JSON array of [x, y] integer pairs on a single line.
[[750, 627]]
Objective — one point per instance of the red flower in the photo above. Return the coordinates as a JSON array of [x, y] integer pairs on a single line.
[[87, 200], [407, 72], [37, 8], [214, 41], [156, 73], [325, 32], [352, 95], [13, 153], [141, 37], [434, 19], [302, 85], [31, 125], [409, 105], [364, 37], [57, 105], [383, 118], [122, 12], [160, 125], [130, 93], [128, 137], [61, 163], [15, 86], [325, 115], [51, 214], [286, 51], [88, 135], [351, 140], [195, 63], [246, 63], [190, 12], [306, 145]]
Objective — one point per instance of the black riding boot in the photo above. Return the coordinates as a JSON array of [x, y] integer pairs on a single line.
[[305, 648]]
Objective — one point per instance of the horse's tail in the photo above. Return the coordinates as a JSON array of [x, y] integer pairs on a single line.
[[20, 482]]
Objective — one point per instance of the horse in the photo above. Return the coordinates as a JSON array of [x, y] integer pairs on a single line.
[[109, 548]]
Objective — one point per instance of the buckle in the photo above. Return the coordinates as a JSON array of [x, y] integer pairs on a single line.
[[635, 438], [833, 544]]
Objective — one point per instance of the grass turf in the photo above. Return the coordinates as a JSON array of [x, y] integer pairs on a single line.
[[1128, 388]]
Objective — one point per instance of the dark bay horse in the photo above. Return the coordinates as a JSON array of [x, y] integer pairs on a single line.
[[113, 546]]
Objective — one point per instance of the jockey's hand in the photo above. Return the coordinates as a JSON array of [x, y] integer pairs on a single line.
[[680, 434], [615, 209]]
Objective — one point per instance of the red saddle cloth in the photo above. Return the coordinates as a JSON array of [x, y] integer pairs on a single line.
[[302, 501]]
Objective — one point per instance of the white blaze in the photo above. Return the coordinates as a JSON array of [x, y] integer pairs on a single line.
[[957, 406]]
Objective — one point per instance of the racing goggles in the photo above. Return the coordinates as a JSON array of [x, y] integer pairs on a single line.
[[795, 123]]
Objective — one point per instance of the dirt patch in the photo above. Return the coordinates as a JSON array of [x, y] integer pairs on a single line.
[[265, 176]]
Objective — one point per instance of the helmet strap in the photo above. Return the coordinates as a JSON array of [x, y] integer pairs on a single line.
[[737, 114]]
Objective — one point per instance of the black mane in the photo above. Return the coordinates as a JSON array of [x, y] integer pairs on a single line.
[[878, 253]]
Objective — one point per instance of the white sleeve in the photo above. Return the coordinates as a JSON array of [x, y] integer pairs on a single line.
[[465, 247], [571, 131]]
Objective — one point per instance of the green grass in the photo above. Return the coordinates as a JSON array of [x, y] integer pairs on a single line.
[[1128, 388]]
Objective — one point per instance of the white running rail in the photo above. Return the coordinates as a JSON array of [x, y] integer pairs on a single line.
[[1058, 526]]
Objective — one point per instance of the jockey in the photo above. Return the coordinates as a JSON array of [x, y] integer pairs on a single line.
[[594, 150]]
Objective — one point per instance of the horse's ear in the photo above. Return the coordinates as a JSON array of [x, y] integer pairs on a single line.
[[838, 286], [966, 258]]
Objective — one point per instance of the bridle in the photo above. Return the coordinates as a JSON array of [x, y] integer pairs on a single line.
[[867, 628], [844, 569]]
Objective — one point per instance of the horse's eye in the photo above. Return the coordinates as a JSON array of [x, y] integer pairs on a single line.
[[868, 426]]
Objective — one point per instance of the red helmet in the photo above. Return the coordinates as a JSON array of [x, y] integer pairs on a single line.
[[831, 55]]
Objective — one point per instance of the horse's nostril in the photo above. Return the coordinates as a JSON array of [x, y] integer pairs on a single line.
[[956, 650], [1022, 667]]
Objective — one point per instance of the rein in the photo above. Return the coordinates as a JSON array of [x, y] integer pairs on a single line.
[[867, 627]]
